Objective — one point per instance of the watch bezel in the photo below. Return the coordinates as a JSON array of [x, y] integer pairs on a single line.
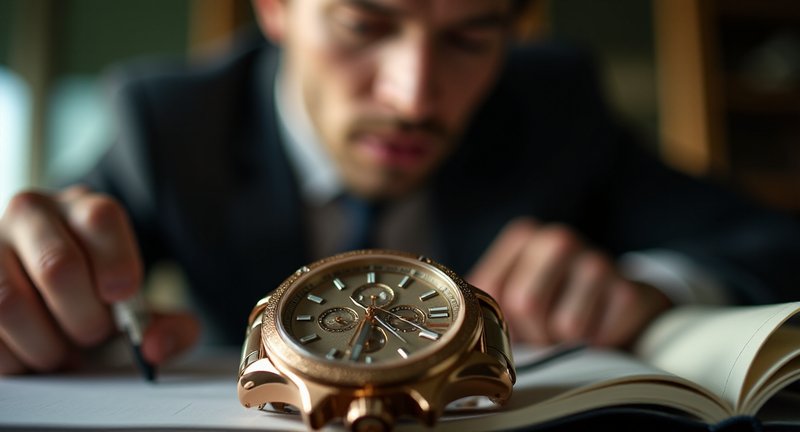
[[290, 358]]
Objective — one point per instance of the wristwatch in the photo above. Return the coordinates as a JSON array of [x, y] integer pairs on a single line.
[[368, 337]]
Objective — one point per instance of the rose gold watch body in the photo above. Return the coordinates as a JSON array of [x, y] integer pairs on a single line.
[[371, 336]]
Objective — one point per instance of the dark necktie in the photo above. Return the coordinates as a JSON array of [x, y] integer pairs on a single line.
[[362, 217]]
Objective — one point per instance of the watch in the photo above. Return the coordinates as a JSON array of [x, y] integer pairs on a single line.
[[367, 337]]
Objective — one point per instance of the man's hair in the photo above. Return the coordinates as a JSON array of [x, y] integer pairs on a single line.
[[528, 18], [521, 4]]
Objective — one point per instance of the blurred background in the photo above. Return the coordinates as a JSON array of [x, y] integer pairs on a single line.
[[712, 86]]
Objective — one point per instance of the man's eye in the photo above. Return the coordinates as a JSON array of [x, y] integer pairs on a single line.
[[358, 27], [473, 42]]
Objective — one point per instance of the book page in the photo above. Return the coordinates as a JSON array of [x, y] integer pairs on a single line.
[[588, 379], [713, 346], [777, 365]]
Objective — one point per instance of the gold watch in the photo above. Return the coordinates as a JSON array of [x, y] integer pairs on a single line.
[[371, 336]]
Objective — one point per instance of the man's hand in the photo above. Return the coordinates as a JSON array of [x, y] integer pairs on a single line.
[[63, 259], [553, 288]]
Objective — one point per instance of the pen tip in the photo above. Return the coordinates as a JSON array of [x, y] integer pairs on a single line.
[[148, 370], [150, 374]]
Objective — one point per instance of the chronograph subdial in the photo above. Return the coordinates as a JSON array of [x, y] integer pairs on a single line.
[[338, 319], [404, 317], [373, 294]]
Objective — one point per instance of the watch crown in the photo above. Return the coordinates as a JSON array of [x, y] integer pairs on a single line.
[[369, 414]]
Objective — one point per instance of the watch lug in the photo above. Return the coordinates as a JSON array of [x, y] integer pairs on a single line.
[[480, 374], [319, 404], [260, 384], [427, 400]]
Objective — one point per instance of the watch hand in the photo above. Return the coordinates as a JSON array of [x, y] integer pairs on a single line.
[[358, 339], [421, 328], [353, 299], [388, 327]]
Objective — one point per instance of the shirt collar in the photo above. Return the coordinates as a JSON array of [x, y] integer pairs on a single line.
[[319, 179]]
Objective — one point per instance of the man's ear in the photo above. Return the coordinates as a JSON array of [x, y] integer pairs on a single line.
[[271, 17]]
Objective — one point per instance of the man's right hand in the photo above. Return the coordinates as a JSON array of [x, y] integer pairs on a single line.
[[64, 258]]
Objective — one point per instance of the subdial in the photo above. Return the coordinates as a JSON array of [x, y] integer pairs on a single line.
[[404, 318], [373, 294], [375, 341], [338, 319]]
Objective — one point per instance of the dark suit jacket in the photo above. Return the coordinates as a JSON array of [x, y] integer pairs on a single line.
[[200, 167]]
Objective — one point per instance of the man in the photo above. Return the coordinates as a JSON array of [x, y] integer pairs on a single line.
[[500, 162]]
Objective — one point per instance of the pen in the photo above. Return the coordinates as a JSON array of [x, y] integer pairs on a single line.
[[130, 318], [555, 354]]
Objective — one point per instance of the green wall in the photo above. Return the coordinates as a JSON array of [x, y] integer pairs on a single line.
[[99, 32], [6, 14], [88, 35]]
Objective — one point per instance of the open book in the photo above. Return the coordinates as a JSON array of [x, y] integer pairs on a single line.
[[706, 364], [709, 364]]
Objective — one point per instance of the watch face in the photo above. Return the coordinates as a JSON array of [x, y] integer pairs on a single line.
[[370, 309]]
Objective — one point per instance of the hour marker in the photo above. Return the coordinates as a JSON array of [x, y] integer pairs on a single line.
[[439, 312], [333, 354], [303, 317], [368, 360], [339, 284], [439, 325], [403, 353], [371, 277], [428, 295], [404, 283], [316, 299], [427, 334], [309, 338]]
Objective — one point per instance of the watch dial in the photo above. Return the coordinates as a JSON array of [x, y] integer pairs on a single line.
[[371, 311]]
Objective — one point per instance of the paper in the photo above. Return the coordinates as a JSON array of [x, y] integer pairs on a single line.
[[190, 395]]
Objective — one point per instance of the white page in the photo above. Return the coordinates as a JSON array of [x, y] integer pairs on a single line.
[[195, 394], [713, 346]]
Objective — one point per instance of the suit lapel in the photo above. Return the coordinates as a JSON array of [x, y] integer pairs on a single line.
[[267, 210]]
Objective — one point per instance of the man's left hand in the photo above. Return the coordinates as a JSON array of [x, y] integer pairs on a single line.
[[553, 288]]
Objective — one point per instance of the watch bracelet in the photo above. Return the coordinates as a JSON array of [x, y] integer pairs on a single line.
[[251, 348], [495, 332]]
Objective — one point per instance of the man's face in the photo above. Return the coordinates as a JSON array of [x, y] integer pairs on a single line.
[[390, 84]]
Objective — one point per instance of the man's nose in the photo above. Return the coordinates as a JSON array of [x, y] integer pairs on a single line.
[[405, 79]]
